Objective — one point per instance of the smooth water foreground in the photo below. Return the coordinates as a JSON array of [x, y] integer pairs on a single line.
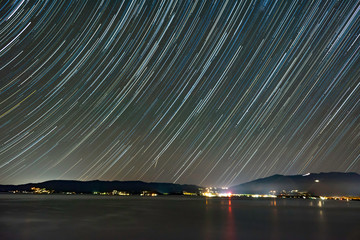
[[174, 217]]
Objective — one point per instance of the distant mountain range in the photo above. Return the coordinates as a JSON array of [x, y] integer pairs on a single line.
[[318, 184], [133, 187]]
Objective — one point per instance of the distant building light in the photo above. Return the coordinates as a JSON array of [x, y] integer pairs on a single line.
[[224, 194], [209, 194]]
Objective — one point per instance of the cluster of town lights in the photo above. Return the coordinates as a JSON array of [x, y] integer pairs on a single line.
[[212, 194]]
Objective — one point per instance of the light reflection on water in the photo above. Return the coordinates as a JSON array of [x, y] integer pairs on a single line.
[[230, 231], [99, 217]]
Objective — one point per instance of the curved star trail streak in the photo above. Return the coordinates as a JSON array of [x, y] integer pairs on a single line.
[[204, 92]]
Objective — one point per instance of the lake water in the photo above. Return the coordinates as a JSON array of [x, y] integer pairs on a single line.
[[174, 217]]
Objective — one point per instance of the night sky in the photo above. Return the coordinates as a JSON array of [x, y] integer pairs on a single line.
[[208, 93]]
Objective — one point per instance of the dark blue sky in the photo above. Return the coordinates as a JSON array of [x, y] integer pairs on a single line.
[[208, 92]]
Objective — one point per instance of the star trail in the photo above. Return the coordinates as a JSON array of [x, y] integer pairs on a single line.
[[201, 92]]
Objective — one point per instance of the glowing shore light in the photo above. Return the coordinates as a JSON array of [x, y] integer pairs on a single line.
[[209, 194], [229, 194]]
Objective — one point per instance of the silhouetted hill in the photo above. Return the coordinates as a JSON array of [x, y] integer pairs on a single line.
[[329, 184], [134, 187]]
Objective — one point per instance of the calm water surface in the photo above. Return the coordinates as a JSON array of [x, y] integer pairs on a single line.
[[98, 217]]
